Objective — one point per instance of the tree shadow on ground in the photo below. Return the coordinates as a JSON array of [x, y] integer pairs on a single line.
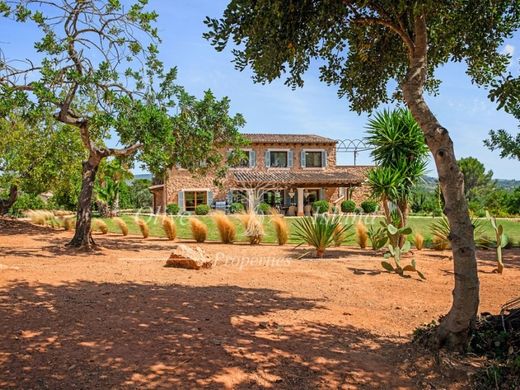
[[128, 335]]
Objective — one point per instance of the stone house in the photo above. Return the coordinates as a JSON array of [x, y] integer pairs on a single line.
[[286, 171]]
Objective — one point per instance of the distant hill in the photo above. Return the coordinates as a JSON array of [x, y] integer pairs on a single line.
[[430, 183], [147, 176]]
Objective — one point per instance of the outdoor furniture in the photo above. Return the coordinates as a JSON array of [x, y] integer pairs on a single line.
[[291, 211], [307, 210]]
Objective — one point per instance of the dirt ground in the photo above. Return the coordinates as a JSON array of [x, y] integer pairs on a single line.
[[259, 319]]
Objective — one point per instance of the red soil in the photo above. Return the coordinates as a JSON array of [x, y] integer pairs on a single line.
[[116, 318]]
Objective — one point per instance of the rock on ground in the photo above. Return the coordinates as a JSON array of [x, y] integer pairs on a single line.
[[185, 257]]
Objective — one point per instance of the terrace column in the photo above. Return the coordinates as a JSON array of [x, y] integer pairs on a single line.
[[300, 202]]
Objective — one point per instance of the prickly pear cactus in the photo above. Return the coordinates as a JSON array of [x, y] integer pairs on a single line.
[[395, 252], [501, 240]]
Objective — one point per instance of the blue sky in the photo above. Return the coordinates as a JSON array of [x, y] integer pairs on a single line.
[[461, 107]]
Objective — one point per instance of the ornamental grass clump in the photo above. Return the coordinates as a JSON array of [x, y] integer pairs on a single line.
[[226, 228], [169, 228], [281, 228], [143, 226], [253, 226], [418, 241], [199, 230], [361, 235], [41, 217], [121, 224], [99, 225], [318, 231], [68, 223]]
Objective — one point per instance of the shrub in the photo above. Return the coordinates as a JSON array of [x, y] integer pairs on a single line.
[[281, 228], [369, 206], [320, 206], [226, 228], [100, 225], [253, 227], [121, 224], [26, 202], [143, 226], [361, 235], [202, 209], [169, 228], [39, 217], [318, 231], [348, 206], [236, 207], [418, 241], [263, 208], [173, 209], [358, 210], [199, 230]]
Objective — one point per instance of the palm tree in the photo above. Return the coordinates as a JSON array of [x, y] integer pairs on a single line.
[[400, 153]]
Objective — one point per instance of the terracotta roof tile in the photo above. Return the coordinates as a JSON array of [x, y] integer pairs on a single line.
[[288, 138], [282, 177]]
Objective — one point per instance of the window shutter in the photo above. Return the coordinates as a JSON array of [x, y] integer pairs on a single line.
[[302, 159], [180, 201], [252, 159], [210, 198], [290, 158], [322, 193], [267, 158], [324, 158], [229, 197]]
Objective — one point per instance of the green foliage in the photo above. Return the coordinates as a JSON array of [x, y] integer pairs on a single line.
[[348, 206], [369, 206], [503, 141], [26, 202], [263, 208], [362, 46], [173, 209], [476, 179], [396, 252], [202, 209], [501, 241], [319, 231], [378, 237], [236, 207], [320, 206]]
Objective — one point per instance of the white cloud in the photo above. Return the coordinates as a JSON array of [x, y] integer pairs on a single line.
[[509, 49]]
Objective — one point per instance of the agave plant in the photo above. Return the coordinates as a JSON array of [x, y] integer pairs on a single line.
[[319, 231], [440, 231]]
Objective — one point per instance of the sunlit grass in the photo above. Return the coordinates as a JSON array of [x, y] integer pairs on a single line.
[[418, 224]]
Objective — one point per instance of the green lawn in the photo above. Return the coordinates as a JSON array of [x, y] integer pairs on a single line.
[[418, 224]]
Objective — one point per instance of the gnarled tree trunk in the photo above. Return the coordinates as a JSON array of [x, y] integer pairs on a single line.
[[83, 235], [5, 204], [454, 328]]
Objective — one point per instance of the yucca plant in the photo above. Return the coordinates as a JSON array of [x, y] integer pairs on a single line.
[[281, 228], [318, 231], [199, 230]]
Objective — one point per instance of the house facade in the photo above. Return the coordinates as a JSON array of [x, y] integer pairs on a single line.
[[286, 171]]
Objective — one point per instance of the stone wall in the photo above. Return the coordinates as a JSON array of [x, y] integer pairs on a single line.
[[181, 180]]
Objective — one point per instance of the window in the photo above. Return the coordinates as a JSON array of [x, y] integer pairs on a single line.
[[194, 198], [247, 160], [314, 159], [278, 159], [311, 196]]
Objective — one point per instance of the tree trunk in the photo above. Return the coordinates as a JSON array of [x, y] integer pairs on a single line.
[[454, 328], [83, 235], [403, 220], [5, 204]]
